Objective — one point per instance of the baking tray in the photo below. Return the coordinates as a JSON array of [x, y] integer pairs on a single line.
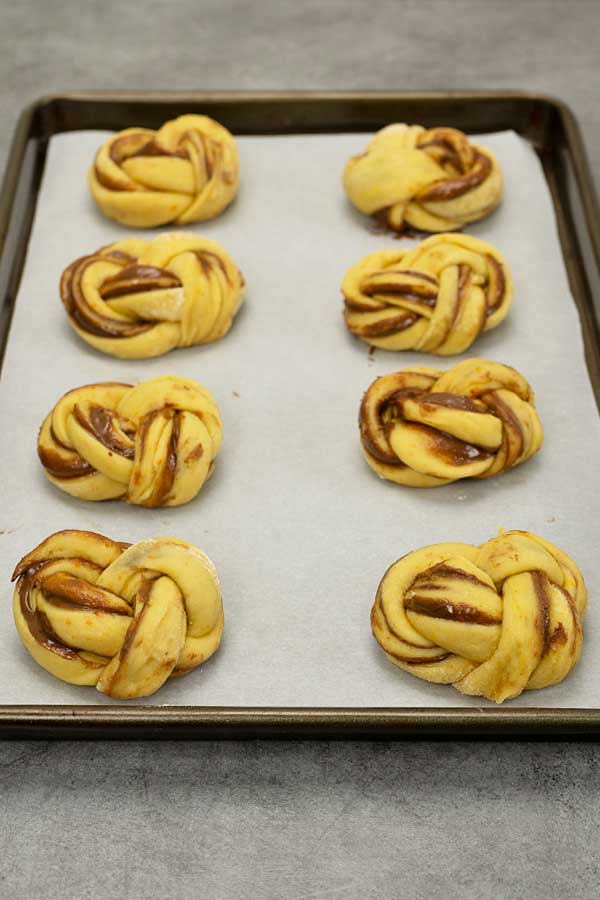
[[547, 124]]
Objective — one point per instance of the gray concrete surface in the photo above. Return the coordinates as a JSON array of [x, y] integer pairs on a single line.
[[318, 820]]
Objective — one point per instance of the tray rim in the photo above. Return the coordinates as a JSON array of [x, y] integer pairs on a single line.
[[285, 723], [164, 722]]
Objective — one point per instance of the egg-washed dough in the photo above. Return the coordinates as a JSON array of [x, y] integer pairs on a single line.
[[492, 621], [428, 180], [436, 298], [153, 444], [136, 298], [187, 171], [424, 427], [125, 618]]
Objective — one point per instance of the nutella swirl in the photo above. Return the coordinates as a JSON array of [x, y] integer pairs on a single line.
[[153, 445], [124, 618], [422, 427], [437, 298], [492, 621], [136, 299], [424, 180], [187, 171]]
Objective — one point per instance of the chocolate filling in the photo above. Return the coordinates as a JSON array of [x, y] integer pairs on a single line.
[[37, 623], [540, 585], [69, 592], [164, 481], [500, 285], [67, 465], [418, 293], [388, 325], [154, 149], [446, 609], [450, 188], [374, 440], [452, 401], [454, 451], [512, 449], [208, 260], [414, 660], [101, 424], [82, 314], [135, 278], [131, 279]]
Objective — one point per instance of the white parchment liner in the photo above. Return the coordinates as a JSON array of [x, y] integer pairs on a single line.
[[300, 529]]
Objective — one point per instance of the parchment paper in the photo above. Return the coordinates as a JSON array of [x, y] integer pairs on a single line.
[[300, 529]]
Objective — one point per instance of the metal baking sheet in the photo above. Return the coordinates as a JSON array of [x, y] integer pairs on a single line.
[[298, 526]]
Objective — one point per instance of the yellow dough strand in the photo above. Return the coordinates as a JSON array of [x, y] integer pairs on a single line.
[[122, 617], [493, 620], [423, 427], [437, 298], [153, 445], [429, 180], [187, 171], [136, 299]]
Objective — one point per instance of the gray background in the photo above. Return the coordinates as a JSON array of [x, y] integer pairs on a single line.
[[317, 820]]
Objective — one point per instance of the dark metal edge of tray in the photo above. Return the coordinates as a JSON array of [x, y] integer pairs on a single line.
[[549, 125], [87, 722]]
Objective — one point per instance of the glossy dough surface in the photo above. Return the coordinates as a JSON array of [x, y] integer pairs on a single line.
[[436, 298], [423, 427], [122, 617], [430, 180], [187, 171], [136, 299], [153, 444], [492, 621]]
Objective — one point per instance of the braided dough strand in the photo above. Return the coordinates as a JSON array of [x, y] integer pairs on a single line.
[[187, 171], [422, 427], [429, 180], [492, 621], [136, 299], [437, 298], [153, 445], [124, 618]]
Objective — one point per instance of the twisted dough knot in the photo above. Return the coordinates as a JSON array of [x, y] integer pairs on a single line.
[[422, 427], [436, 298], [433, 180], [122, 617], [136, 298], [187, 171], [493, 620], [152, 445]]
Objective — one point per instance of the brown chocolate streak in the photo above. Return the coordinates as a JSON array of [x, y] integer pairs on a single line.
[[446, 609], [208, 260], [62, 467], [143, 594], [135, 278], [167, 476], [154, 149], [38, 625], [70, 592], [369, 440], [415, 660], [452, 401], [82, 313], [442, 570], [388, 326], [509, 421], [494, 302], [450, 188], [101, 425], [453, 450], [540, 585]]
